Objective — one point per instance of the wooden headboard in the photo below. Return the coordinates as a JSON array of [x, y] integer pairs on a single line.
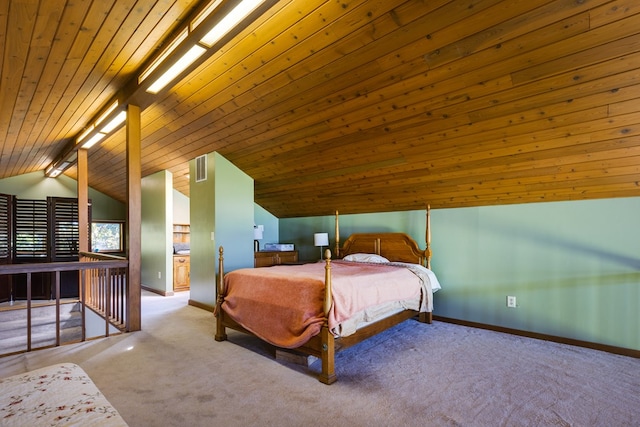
[[393, 246]]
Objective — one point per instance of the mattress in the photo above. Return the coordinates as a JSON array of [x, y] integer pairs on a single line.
[[283, 305]]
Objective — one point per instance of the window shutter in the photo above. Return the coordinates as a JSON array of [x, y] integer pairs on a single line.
[[64, 228], [6, 210], [30, 238]]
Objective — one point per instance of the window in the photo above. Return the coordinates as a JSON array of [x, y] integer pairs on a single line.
[[107, 236]]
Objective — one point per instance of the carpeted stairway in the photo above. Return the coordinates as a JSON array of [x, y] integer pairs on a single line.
[[13, 326]]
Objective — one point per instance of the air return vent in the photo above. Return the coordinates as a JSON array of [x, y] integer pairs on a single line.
[[201, 168]]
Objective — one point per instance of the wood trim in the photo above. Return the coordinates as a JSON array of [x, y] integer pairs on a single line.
[[221, 334], [309, 87], [337, 255], [134, 216], [393, 246], [206, 307], [375, 328], [427, 252], [562, 340], [83, 201], [157, 291], [327, 356]]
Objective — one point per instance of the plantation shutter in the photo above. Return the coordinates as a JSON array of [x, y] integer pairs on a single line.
[[64, 229], [6, 227], [6, 210], [30, 236]]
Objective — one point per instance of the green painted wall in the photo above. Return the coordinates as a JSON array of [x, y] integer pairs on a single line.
[[223, 204], [37, 186], [574, 267], [157, 236]]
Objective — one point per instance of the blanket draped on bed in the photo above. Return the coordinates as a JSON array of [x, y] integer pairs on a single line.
[[283, 304]]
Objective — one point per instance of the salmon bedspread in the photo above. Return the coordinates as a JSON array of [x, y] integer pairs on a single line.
[[283, 304]]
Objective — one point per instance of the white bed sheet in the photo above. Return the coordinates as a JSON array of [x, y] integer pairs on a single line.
[[430, 284]]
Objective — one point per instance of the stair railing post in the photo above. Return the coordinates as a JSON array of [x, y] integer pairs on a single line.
[[57, 288]]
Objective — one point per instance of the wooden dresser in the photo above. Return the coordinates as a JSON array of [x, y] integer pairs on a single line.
[[269, 258]]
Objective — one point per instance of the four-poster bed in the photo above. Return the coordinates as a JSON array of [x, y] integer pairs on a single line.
[[321, 307]]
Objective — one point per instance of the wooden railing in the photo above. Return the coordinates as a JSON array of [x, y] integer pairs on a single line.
[[102, 288], [106, 288]]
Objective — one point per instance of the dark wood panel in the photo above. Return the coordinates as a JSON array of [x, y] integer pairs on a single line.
[[360, 105]]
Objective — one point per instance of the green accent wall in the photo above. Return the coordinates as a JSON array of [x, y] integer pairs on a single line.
[[37, 186], [157, 232], [223, 204], [574, 267]]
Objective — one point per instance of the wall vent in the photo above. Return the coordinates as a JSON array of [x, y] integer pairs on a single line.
[[201, 168]]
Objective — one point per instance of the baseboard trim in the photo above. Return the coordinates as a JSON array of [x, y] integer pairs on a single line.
[[578, 343], [197, 304], [157, 291]]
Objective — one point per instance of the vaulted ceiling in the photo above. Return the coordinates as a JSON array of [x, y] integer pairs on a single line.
[[356, 105]]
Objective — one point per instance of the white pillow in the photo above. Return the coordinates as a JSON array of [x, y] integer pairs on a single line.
[[366, 258]]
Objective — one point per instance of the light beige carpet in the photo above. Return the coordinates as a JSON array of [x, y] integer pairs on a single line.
[[173, 373]]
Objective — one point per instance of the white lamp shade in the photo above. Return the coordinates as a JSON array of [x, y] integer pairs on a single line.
[[257, 233], [321, 239]]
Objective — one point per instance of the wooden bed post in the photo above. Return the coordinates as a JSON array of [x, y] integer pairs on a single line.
[[337, 252], [221, 333], [427, 317], [328, 374], [428, 237]]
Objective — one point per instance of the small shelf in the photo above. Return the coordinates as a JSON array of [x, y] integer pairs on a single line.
[[181, 233]]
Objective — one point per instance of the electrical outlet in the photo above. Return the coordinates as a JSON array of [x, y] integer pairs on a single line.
[[159, 274], [511, 302]]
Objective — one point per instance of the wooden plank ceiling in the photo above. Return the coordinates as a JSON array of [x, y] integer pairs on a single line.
[[356, 105]]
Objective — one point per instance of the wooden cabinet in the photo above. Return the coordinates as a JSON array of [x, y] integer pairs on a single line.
[[269, 258], [181, 272], [181, 261]]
